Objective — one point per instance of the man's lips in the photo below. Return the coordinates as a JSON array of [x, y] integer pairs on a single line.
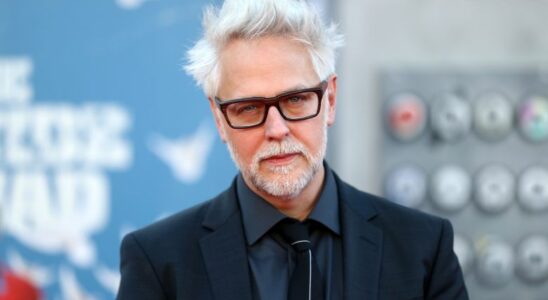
[[280, 159]]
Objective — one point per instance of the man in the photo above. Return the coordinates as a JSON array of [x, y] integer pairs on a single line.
[[288, 227]]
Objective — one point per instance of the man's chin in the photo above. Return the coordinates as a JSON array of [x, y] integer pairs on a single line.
[[281, 190], [282, 182]]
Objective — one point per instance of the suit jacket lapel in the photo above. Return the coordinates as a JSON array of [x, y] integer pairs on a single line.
[[362, 244], [224, 249]]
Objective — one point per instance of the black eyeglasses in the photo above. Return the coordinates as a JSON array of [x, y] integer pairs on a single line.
[[293, 106]]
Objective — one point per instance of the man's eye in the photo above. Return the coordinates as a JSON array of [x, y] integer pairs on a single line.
[[296, 99], [300, 98], [247, 108]]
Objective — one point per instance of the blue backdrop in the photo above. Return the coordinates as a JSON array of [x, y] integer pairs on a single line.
[[101, 132]]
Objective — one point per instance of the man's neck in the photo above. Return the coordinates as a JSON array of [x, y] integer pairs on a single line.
[[299, 206]]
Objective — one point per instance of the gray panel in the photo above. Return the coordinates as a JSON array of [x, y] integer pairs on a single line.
[[493, 237]]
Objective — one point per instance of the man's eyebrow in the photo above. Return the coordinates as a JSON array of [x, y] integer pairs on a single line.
[[296, 87], [293, 88]]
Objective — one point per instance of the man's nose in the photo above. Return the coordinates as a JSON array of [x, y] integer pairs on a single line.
[[275, 125]]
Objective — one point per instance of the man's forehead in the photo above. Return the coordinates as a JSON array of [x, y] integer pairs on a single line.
[[264, 67]]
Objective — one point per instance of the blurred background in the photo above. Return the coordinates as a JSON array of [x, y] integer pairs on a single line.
[[443, 106]]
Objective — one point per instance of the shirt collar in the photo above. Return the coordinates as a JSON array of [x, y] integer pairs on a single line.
[[326, 210], [259, 216]]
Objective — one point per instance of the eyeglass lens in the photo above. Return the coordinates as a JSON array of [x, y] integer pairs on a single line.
[[292, 106]]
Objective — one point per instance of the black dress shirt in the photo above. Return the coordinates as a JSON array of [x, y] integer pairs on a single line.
[[271, 260]]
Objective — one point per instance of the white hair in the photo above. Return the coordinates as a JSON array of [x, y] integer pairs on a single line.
[[252, 19]]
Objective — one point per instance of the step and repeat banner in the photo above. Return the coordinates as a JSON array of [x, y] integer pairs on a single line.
[[101, 132]]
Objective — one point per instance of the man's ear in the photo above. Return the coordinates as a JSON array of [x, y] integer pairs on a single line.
[[332, 99], [217, 114]]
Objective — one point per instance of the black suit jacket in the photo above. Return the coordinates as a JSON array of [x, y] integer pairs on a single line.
[[390, 252]]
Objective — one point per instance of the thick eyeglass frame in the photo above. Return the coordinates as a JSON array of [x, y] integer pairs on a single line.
[[273, 101]]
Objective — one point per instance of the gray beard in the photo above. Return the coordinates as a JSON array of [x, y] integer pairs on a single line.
[[286, 182]]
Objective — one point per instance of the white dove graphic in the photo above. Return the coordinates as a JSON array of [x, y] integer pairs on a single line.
[[187, 155]]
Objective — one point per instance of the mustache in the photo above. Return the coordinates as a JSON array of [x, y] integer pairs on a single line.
[[275, 149]]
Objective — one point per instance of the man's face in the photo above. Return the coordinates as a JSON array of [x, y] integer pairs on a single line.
[[280, 157]]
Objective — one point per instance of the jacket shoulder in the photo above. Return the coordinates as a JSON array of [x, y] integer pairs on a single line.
[[162, 259], [405, 216], [184, 223]]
